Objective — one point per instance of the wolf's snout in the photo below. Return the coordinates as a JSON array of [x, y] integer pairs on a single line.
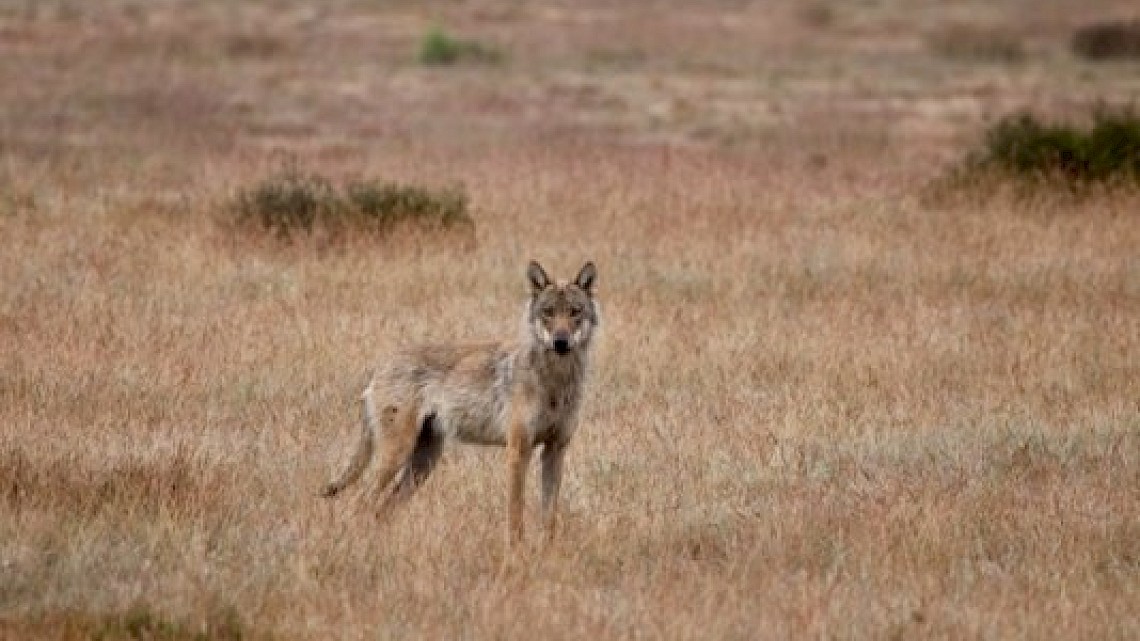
[[561, 343]]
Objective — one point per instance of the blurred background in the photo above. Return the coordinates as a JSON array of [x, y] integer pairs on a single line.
[[353, 84]]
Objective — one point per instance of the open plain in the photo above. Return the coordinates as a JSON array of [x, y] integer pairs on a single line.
[[831, 399]]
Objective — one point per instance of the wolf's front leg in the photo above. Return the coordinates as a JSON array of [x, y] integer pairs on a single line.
[[518, 459], [552, 457]]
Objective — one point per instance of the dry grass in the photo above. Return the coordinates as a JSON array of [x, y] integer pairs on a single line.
[[824, 404]]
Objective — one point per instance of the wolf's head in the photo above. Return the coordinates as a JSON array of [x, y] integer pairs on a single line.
[[561, 316]]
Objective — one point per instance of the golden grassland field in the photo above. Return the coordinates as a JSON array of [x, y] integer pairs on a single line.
[[831, 399]]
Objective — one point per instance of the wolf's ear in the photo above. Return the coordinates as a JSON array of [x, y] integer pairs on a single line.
[[586, 277], [537, 277]]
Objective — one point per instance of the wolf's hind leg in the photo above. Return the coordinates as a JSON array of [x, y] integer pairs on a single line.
[[426, 453], [362, 455]]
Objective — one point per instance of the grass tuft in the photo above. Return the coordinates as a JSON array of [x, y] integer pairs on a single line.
[[441, 48], [1027, 148], [1109, 40], [292, 203], [289, 202], [138, 622], [384, 204], [976, 43], [817, 14], [141, 623]]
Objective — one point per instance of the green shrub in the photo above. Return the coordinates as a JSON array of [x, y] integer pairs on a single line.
[[1024, 146], [440, 48], [292, 203], [1108, 40], [387, 204]]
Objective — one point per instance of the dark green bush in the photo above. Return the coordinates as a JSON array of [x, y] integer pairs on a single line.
[[292, 203], [386, 204], [1108, 40], [440, 48], [1024, 146]]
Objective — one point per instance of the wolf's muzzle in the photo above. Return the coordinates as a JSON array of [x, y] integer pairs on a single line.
[[561, 344]]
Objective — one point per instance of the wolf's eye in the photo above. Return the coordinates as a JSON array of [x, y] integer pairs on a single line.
[[548, 311], [575, 311]]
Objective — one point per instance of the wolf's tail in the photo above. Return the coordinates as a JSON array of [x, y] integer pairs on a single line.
[[364, 449]]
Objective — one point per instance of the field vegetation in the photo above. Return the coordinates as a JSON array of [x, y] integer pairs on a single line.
[[829, 401]]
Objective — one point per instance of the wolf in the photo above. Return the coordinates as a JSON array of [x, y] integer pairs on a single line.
[[519, 394]]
